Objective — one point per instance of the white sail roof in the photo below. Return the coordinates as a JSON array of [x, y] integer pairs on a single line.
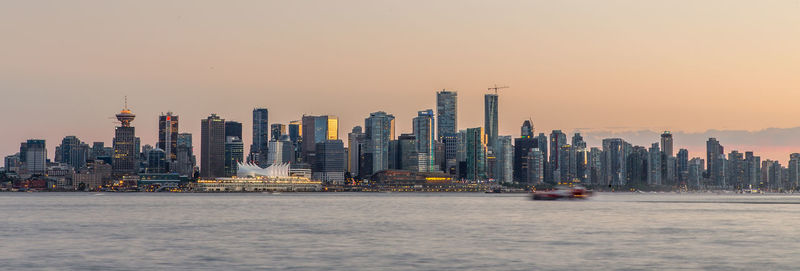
[[252, 170]]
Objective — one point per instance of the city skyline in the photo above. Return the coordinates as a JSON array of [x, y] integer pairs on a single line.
[[730, 69]]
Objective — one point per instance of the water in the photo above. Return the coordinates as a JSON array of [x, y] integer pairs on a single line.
[[397, 231]]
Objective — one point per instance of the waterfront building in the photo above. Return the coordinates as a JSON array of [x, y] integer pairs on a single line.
[[450, 144], [329, 166], [212, 147], [475, 154], [535, 168], [234, 154], [403, 153], [504, 153], [654, 165], [715, 157], [125, 147], [522, 150], [490, 119], [34, 156], [156, 161], [168, 138], [541, 143], [186, 160], [252, 178], [258, 150], [423, 133], [696, 169], [356, 141], [793, 170], [446, 113], [682, 165], [379, 129], [615, 151], [557, 140]]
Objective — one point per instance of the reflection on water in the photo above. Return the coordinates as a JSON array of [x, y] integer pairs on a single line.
[[397, 231]]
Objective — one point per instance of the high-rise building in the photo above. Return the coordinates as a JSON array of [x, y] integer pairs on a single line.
[[615, 152], [72, 152], [794, 169], [654, 165], [258, 150], [317, 129], [295, 133], [356, 141], [234, 154], [715, 157], [522, 149], [580, 157], [186, 160], [233, 128], [450, 142], [156, 161], [168, 138], [126, 153], [446, 113], [379, 129], [557, 140], [475, 154], [423, 132], [504, 152], [541, 143], [330, 162], [276, 131], [682, 166], [753, 169], [696, 166], [490, 119], [666, 143], [280, 151], [212, 147], [403, 153], [526, 130], [535, 170], [34, 156]]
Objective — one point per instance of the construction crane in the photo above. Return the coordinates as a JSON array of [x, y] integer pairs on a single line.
[[496, 88]]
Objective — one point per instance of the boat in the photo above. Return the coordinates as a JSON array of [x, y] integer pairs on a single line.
[[562, 192]]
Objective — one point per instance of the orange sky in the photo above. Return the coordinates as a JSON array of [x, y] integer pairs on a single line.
[[594, 65]]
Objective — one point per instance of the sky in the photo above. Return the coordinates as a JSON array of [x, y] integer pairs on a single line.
[[631, 68]]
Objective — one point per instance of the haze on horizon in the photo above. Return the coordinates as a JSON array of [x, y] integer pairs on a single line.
[[594, 66]]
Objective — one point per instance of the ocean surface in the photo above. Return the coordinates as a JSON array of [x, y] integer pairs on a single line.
[[397, 231]]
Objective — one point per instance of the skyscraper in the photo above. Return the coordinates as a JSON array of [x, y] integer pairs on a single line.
[[450, 142], [317, 129], [276, 131], [504, 168], [156, 161], [212, 147], [526, 130], [654, 165], [330, 161], [615, 151], [557, 140], [666, 143], [72, 152], [280, 151], [423, 132], [295, 133], [233, 128], [475, 154], [125, 157], [541, 144], [379, 129], [186, 160], [715, 156], [34, 156], [168, 138], [258, 149], [490, 119], [234, 154], [446, 113], [356, 141]]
